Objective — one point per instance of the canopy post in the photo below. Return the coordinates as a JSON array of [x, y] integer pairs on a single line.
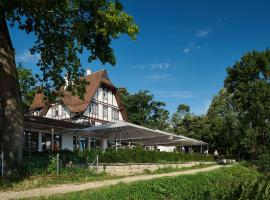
[[104, 144], [52, 143], [39, 141]]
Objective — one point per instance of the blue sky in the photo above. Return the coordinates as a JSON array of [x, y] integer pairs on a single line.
[[183, 48]]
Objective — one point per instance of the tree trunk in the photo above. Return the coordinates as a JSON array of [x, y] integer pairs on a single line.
[[12, 124]]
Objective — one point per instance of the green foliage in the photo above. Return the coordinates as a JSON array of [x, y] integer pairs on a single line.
[[263, 163], [258, 189], [27, 85], [224, 124], [138, 155], [248, 84], [143, 110], [45, 162], [64, 30], [215, 185]]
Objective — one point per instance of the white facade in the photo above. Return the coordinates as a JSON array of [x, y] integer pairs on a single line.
[[166, 148], [101, 109], [103, 106], [58, 111]]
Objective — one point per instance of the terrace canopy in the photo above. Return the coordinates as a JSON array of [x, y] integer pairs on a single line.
[[128, 132]]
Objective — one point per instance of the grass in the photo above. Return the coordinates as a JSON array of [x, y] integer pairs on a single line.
[[177, 169], [215, 185], [77, 175]]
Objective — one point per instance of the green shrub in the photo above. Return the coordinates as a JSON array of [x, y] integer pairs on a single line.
[[258, 189], [263, 163], [45, 162], [139, 155]]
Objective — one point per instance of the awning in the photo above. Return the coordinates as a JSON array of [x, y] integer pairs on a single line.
[[128, 132]]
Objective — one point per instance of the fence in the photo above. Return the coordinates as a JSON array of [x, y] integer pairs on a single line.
[[36, 163]]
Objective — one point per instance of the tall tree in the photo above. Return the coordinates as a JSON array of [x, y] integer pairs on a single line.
[[182, 112], [143, 110], [224, 124], [63, 30], [248, 81], [27, 82]]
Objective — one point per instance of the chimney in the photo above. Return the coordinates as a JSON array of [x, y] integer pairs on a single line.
[[66, 82], [88, 71]]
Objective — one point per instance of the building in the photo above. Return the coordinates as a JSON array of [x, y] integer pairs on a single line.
[[101, 104], [61, 125]]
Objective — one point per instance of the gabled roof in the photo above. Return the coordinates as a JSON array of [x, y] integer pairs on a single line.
[[74, 103]]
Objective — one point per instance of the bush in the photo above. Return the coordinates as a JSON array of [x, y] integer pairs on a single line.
[[252, 189], [45, 162], [139, 155], [263, 163]]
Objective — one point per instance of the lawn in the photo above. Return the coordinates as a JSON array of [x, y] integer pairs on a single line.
[[76, 175], [214, 185]]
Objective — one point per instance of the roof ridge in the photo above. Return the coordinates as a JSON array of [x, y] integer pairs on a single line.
[[96, 72]]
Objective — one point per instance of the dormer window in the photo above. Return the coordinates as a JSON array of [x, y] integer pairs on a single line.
[[55, 111], [36, 112]]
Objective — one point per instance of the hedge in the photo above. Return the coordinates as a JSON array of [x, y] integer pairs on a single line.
[[139, 155], [45, 162]]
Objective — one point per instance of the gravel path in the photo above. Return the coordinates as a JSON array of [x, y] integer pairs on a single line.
[[66, 188]]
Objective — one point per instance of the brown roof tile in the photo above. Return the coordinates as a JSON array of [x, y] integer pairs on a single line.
[[74, 103], [38, 101]]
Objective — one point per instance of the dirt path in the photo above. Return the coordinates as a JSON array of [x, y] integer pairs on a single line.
[[66, 188]]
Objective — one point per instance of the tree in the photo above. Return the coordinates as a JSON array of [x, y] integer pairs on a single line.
[[177, 119], [223, 122], [63, 30], [143, 110], [248, 84], [27, 83]]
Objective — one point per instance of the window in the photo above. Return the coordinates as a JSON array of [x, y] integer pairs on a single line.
[[63, 114], [30, 141], [36, 112], [105, 95], [93, 109], [47, 142], [105, 112], [55, 111], [80, 143], [115, 115]]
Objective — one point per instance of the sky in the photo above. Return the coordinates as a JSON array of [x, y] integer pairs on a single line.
[[182, 50]]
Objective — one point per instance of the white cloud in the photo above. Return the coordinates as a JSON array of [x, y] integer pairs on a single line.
[[158, 76], [27, 57], [191, 47], [154, 66], [186, 50], [175, 94], [221, 23], [203, 33], [160, 66], [139, 67]]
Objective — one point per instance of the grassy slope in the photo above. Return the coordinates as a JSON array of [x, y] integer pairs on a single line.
[[76, 176], [212, 185]]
